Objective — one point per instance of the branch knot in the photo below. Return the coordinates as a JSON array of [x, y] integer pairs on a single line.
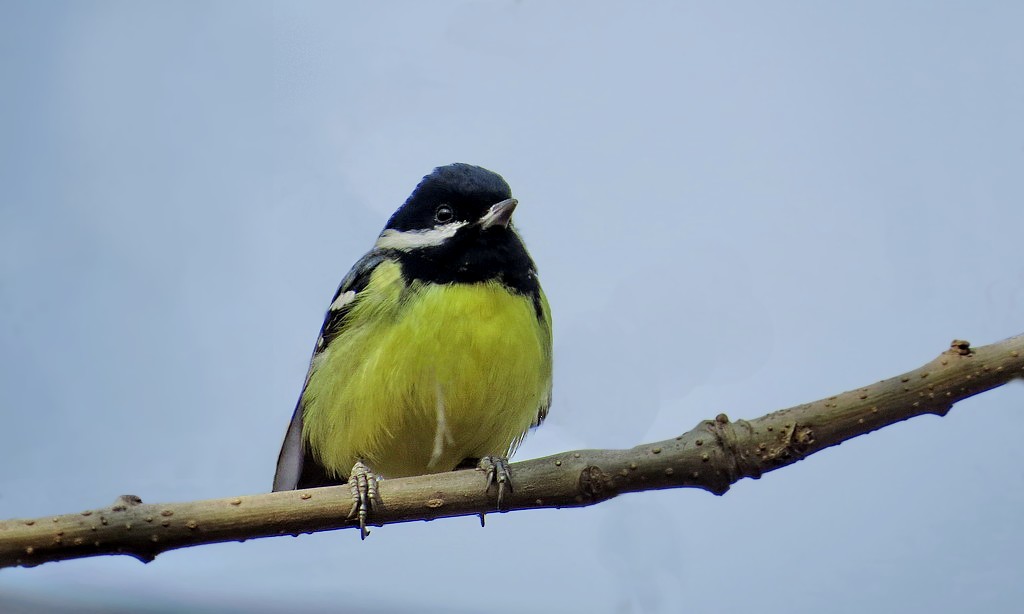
[[732, 438], [960, 347], [593, 482]]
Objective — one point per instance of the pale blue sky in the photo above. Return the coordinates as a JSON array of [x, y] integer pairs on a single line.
[[734, 207]]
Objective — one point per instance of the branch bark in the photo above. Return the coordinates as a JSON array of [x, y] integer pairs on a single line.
[[712, 456]]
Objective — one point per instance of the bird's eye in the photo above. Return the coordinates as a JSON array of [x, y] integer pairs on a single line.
[[444, 214]]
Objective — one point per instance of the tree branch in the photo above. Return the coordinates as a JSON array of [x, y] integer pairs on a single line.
[[712, 456]]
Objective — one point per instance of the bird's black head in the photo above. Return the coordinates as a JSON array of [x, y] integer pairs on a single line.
[[451, 194], [456, 227]]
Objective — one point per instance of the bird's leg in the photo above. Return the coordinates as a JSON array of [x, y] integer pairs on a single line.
[[363, 484], [497, 471]]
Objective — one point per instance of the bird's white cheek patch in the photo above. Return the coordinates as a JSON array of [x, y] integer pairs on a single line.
[[406, 240]]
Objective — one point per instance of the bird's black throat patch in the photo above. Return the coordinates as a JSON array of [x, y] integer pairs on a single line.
[[475, 256]]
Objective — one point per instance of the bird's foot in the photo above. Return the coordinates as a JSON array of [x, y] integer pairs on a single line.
[[363, 484], [497, 471]]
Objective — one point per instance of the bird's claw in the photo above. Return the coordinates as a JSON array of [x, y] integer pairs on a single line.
[[497, 470], [363, 484]]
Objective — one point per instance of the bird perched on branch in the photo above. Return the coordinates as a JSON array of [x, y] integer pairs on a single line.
[[435, 353]]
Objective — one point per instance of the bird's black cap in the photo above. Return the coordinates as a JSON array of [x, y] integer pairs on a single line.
[[470, 190]]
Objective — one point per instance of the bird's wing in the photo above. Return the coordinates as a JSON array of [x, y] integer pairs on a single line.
[[296, 467]]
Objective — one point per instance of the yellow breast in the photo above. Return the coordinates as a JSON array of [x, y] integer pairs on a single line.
[[426, 375]]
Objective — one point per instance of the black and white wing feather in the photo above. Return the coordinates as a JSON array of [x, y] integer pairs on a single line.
[[296, 467]]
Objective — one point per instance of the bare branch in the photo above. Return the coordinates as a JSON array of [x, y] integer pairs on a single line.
[[712, 456]]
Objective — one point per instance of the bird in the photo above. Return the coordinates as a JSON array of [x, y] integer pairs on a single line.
[[435, 353]]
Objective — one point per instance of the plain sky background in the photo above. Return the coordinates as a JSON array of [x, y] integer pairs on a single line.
[[734, 206]]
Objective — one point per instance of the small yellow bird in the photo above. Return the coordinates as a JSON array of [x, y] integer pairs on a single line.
[[435, 352]]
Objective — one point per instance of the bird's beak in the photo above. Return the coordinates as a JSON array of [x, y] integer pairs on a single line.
[[499, 214]]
